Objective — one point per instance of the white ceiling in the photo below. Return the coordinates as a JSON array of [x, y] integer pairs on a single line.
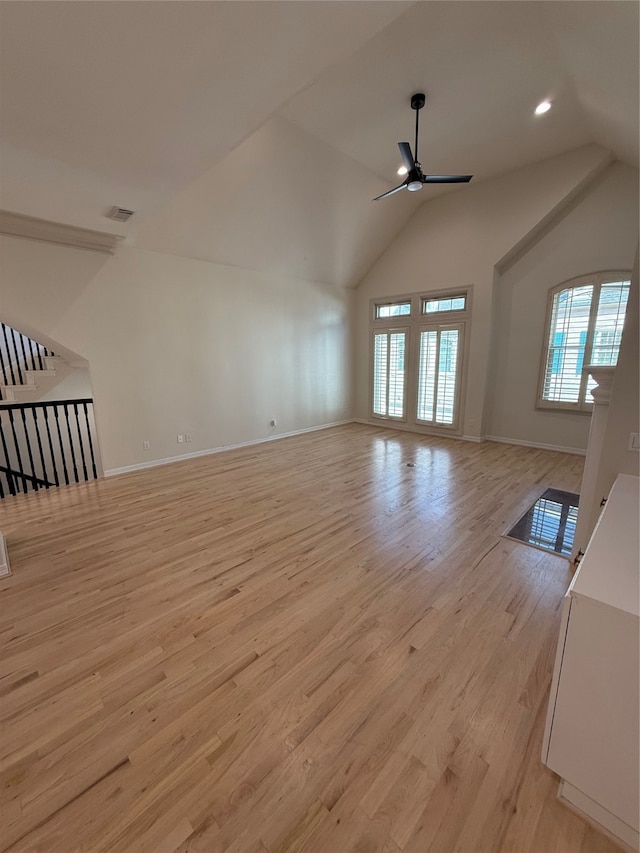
[[256, 134]]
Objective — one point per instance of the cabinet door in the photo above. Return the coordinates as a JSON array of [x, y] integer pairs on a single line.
[[594, 730]]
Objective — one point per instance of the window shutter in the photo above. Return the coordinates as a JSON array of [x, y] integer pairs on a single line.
[[558, 344], [583, 343], [389, 373], [585, 327], [380, 360], [439, 375], [612, 306], [427, 375], [567, 336]]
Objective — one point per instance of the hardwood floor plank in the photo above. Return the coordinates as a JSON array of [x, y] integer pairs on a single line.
[[303, 646]]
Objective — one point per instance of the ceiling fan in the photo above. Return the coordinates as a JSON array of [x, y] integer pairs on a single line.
[[415, 177]]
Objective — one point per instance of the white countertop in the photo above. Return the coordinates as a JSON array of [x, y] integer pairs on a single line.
[[610, 569]]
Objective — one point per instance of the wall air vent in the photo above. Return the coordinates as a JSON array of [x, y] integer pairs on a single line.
[[120, 214]]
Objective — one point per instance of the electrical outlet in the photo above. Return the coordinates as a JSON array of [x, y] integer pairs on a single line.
[[187, 436], [634, 441], [180, 438], [273, 422], [146, 445]]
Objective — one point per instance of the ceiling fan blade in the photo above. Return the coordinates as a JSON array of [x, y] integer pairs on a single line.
[[407, 156], [446, 179], [391, 192]]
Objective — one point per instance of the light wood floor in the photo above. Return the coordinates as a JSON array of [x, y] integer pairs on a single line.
[[304, 646]]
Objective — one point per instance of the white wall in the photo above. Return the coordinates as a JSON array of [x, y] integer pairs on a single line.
[[461, 238], [598, 233], [176, 345], [74, 385]]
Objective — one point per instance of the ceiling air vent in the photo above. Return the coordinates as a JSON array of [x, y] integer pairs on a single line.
[[120, 214]]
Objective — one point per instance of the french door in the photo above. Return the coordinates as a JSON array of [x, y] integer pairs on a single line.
[[417, 373]]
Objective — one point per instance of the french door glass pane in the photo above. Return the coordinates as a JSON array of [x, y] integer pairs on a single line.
[[388, 374], [438, 376], [380, 359], [447, 376], [427, 375]]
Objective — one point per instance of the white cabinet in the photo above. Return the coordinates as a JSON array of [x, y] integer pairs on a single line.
[[591, 735]]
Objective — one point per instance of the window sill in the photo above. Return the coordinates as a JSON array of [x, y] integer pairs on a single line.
[[567, 409]]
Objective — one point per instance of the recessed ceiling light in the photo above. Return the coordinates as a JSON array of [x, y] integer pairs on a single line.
[[402, 170], [543, 107]]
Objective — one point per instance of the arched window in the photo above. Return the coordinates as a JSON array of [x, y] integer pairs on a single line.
[[584, 326]]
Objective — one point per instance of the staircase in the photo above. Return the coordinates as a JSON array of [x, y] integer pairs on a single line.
[[37, 382], [43, 443], [27, 368]]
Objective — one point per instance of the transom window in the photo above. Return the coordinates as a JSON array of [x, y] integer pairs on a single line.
[[393, 309], [417, 358], [585, 323], [457, 302]]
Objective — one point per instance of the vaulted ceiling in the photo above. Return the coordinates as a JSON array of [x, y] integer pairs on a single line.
[[256, 134]]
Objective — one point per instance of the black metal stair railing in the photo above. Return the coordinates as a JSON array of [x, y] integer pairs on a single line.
[[46, 444], [14, 479], [18, 353]]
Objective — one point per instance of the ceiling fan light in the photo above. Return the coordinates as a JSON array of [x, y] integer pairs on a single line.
[[402, 170], [543, 107], [414, 186]]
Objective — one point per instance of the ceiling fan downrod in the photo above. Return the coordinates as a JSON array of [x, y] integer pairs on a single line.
[[417, 103]]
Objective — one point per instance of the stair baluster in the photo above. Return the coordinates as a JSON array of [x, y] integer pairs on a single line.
[[35, 456]]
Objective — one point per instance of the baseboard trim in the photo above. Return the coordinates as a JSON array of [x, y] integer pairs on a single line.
[[168, 460], [415, 430], [593, 813], [576, 451]]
